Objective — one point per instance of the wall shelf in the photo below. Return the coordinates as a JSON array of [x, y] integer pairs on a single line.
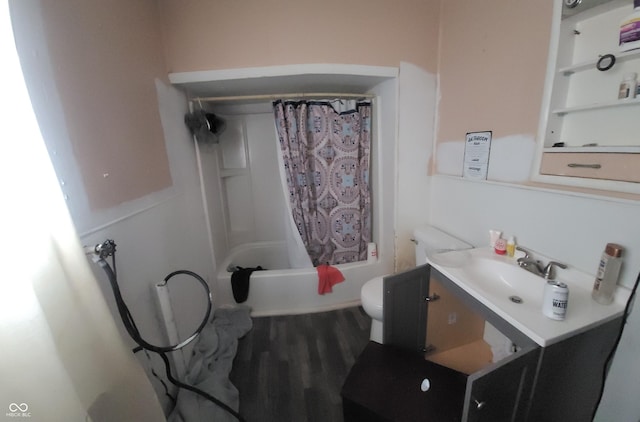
[[233, 172], [631, 149], [591, 64], [596, 106]]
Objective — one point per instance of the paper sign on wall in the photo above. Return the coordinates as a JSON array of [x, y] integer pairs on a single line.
[[476, 155]]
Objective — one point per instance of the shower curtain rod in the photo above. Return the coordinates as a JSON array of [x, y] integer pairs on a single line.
[[300, 95]]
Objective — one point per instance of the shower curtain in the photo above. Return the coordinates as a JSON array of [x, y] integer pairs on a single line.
[[326, 156]]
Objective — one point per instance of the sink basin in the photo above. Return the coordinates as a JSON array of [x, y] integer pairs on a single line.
[[497, 278], [501, 278], [494, 279]]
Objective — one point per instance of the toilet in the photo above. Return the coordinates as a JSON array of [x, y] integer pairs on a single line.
[[371, 297], [428, 240]]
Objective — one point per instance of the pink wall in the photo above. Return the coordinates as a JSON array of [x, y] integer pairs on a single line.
[[490, 57], [493, 58], [207, 35], [105, 57]]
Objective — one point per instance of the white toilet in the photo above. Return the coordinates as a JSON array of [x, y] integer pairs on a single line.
[[371, 297], [428, 240]]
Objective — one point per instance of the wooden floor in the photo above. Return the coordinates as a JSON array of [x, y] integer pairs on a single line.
[[291, 368]]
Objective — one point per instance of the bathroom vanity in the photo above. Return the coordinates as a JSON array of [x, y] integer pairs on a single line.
[[459, 347]]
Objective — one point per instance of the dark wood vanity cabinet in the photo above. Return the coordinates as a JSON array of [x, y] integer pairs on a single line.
[[478, 367]]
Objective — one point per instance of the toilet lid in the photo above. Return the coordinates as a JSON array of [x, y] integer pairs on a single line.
[[372, 292]]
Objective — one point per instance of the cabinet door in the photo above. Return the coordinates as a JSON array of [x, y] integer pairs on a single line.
[[502, 393], [404, 311]]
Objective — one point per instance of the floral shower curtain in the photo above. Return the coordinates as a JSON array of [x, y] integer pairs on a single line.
[[326, 157]]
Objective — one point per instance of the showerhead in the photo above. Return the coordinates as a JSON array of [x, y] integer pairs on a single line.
[[205, 126]]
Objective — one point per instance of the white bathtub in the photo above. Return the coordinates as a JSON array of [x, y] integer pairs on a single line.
[[283, 291]]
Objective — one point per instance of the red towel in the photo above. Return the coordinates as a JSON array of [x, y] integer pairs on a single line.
[[328, 276]]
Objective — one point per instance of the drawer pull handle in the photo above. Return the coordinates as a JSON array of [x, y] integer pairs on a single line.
[[430, 348], [584, 166], [432, 298]]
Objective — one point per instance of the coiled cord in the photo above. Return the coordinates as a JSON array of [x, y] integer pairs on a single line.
[[134, 333]]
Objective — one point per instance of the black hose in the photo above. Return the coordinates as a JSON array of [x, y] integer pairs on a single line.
[[134, 333], [127, 319], [607, 362]]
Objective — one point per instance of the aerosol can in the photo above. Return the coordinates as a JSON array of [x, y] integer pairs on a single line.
[[556, 295]]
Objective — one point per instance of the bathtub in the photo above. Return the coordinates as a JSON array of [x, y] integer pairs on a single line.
[[283, 291]]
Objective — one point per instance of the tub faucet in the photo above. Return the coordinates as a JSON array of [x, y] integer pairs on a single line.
[[536, 266]]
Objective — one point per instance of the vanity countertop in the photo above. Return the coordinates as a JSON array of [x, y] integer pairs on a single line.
[[492, 279]]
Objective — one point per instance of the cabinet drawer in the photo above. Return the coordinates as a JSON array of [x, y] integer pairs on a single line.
[[623, 167]]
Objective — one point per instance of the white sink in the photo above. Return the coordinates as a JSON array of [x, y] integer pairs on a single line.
[[495, 279], [501, 280]]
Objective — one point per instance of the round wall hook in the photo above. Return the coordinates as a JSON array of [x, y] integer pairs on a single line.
[[606, 62]]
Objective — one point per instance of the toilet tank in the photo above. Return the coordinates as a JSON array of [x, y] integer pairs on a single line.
[[430, 240]]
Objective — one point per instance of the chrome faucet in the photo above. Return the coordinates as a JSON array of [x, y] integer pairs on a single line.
[[549, 272], [536, 267]]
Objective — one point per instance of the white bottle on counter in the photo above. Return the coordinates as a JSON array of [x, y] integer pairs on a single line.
[[607, 276]]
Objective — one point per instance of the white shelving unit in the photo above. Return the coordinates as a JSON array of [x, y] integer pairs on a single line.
[[595, 106], [584, 106], [600, 133], [591, 64]]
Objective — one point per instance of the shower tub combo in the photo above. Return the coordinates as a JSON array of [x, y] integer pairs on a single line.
[[280, 290]]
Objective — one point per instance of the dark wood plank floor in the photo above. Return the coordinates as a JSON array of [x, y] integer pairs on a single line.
[[291, 368]]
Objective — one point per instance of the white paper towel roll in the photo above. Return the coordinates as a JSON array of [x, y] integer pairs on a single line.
[[166, 312], [372, 252]]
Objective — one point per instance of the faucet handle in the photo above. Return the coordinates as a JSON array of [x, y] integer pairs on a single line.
[[526, 252], [549, 272]]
